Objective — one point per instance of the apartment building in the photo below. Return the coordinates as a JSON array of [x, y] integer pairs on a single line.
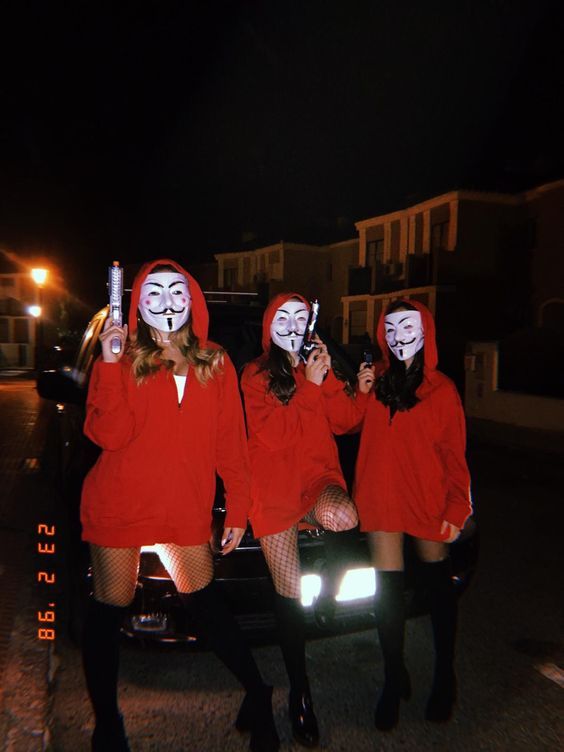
[[486, 264], [314, 271], [17, 325]]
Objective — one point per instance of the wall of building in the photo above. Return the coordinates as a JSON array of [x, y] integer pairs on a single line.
[[307, 271], [17, 328], [484, 400], [545, 211], [341, 257], [482, 228]]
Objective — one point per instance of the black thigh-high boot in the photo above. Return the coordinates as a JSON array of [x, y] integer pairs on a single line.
[[390, 621], [291, 628], [217, 624], [100, 658], [336, 546], [443, 609]]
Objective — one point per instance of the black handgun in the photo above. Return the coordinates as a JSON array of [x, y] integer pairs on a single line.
[[308, 344]]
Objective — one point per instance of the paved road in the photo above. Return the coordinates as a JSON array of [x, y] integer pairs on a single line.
[[24, 661], [509, 633], [175, 701]]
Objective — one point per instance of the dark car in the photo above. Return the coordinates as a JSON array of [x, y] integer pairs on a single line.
[[156, 612]]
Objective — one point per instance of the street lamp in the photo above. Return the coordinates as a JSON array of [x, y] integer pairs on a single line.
[[39, 276]]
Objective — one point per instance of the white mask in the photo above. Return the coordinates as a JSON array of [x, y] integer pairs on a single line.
[[289, 324], [404, 333], [165, 300]]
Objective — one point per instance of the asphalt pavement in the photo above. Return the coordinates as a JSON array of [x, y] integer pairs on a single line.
[[28, 665]]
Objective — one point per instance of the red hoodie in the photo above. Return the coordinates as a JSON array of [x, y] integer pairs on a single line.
[[155, 479], [411, 471], [292, 450]]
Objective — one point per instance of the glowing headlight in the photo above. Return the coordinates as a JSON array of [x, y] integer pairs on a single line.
[[150, 550], [357, 583], [311, 587]]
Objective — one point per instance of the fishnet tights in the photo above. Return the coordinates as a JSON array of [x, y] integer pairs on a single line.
[[115, 570], [334, 510]]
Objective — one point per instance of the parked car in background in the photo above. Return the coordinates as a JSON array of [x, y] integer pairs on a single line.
[[156, 612]]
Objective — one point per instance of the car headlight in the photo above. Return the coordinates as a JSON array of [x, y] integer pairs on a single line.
[[356, 584], [310, 587], [150, 550]]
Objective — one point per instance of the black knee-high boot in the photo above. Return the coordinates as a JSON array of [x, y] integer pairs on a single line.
[[390, 620], [100, 658], [291, 628], [443, 609], [216, 623], [336, 545]]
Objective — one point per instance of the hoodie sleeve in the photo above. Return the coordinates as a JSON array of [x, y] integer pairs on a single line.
[[274, 424], [110, 423], [232, 459], [344, 413], [452, 448]]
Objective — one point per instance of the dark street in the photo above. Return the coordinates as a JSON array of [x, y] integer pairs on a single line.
[[381, 182], [509, 636]]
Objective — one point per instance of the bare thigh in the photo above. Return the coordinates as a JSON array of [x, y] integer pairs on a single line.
[[114, 574], [190, 567], [430, 551]]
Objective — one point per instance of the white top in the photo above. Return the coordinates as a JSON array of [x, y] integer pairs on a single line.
[[180, 386]]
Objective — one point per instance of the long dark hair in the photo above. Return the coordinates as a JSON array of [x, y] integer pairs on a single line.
[[397, 386], [281, 382], [278, 365]]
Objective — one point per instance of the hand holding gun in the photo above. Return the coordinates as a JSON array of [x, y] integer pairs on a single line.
[[366, 375], [309, 343], [114, 335], [313, 351]]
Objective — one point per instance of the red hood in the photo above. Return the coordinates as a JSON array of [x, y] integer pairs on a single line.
[[271, 309], [430, 351], [199, 316]]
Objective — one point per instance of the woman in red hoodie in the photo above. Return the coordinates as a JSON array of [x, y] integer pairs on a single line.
[[293, 409], [166, 411], [412, 478]]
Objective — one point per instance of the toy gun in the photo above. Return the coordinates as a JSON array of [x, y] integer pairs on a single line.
[[115, 290], [308, 344]]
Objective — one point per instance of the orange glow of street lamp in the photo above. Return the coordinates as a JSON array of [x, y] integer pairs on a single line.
[[39, 276]]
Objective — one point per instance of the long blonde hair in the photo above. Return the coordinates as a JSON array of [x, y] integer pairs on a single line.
[[146, 356]]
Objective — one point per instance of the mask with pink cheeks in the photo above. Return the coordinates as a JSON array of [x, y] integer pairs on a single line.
[[404, 333], [165, 301], [289, 324]]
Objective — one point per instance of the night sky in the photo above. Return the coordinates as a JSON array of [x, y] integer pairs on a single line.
[[184, 128]]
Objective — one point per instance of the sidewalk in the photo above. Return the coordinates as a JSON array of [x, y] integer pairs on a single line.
[[16, 373], [487, 432]]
